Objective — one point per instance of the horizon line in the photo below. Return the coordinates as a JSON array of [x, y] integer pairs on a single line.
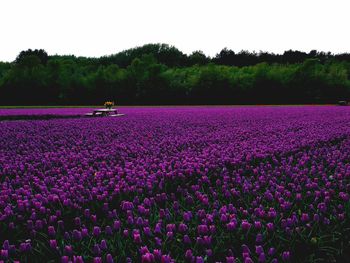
[[186, 53]]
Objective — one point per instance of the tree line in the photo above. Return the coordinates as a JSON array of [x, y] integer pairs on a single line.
[[162, 74]]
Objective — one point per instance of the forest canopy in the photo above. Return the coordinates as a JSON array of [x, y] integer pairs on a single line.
[[162, 74]]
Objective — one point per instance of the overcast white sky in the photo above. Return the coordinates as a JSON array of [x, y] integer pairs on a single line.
[[103, 27]]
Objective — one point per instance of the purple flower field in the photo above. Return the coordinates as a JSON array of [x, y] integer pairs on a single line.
[[43, 111], [177, 184]]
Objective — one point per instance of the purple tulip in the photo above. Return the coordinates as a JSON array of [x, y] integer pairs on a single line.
[[183, 228], [6, 245], [97, 260], [259, 250], [108, 230], [53, 244], [144, 250], [186, 239], [259, 238], [286, 256], [223, 218], [187, 216], [189, 254], [103, 244], [166, 259], [68, 250], [127, 205], [77, 221], [39, 225], [84, 232], [4, 253], [158, 228], [170, 227], [270, 226], [170, 235], [51, 231], [125, 233], [25, 247], [245, 225], [93, 218], [147, 258], [272, 251], [209, 252], [137, 238], [158, 241], [97, 250], [96, 231], [245, 249], [77, 235], [78, 259], [116, 225], [157, 254], [231, 226], [262, 257], [109, 258], [147, 231], [304, 217], [202, 229], [64, 259], [230, 259]]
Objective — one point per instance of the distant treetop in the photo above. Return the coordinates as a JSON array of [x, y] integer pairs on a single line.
[[40, 53], [173, 57]]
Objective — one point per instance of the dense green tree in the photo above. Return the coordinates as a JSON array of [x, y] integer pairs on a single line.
[[161, 74], [40, 53], [198, 58], [165, 54]]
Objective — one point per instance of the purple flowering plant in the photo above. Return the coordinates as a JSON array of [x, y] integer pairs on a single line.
[[177, 184]]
